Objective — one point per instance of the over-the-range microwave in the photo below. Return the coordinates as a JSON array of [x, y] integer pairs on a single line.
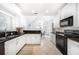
[[66, 22]]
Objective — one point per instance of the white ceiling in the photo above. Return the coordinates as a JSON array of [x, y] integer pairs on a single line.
[[40, 8], [29, 9], [10, 8]]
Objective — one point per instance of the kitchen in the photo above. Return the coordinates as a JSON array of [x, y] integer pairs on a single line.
[[39, 29]]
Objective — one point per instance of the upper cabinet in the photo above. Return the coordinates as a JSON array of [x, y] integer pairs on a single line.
[[15, 22], [77, 22], [2, 22], [10, 23], [70, 10], [56, 20], [7, 22]]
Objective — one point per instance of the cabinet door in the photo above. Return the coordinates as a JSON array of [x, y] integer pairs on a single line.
[[53, 38], [2, 21], [77, 22], [9, 22], [73, 47], [10, 47], [20, 42], [24, 39], [33, 38], [56, 21], [2, 49], [69, 10]]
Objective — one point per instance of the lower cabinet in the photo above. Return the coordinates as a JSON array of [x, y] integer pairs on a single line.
[[73, 47], [10, 47], [33, 39], [13, 46], [53, 39], [2, 51], [20, 42]]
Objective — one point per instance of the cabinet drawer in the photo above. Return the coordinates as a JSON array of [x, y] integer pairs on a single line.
[[73, 47], [10, 47], [2, 49]]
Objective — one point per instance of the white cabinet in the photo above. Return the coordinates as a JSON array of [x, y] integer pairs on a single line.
[[33, 38], [73, 47], [5, 22], [77, 22], [57, 20], [9, 22], [14, 45], [20, 42], [69, 10], [25, 39], [10, 47], [2, 21], [53, 40]]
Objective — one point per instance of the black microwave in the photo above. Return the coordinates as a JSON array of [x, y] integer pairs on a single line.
[[66, 22]]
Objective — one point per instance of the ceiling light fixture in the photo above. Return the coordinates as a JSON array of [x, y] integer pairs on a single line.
[[47, 11], [35, 13]]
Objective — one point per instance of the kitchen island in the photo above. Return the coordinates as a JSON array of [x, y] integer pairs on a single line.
[[33, 36]]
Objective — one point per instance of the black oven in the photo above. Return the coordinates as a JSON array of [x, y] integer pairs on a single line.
[[61, 43]]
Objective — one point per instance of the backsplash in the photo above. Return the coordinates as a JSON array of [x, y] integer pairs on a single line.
[[11, 33], [66, 28], [2, 34]]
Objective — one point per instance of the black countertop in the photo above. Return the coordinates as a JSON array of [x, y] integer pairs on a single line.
[[13, 34], [75, 39], [59, 33], [4, 39], [72, 37], [32, 31], [9, 36]]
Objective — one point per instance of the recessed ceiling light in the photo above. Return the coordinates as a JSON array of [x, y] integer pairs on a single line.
[[34, 12], [46, 11]]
